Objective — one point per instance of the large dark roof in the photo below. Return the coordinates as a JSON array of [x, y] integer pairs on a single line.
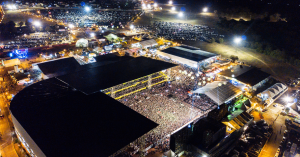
[[253, 76], [59, 66], [189, 53], [102, 77], [246, 74], [68, 65], [66, 122]]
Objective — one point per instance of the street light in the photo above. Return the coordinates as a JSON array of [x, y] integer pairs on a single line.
[[180, 14], [170, 2], [155, 5], [173, 8], [205, 9], [87, 8]]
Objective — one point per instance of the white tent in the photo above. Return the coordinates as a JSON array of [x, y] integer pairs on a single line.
[[82, 43]]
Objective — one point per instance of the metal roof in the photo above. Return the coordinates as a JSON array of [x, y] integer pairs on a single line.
[[102, 77]]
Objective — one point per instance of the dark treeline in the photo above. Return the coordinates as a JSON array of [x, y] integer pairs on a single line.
[[277, 39]]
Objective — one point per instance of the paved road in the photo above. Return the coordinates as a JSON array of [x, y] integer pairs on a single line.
[[272, 116], [6, 144]]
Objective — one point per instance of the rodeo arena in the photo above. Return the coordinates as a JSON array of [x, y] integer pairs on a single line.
[[162, 96]]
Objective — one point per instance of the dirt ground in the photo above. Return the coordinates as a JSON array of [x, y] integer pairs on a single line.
[[279, 70]]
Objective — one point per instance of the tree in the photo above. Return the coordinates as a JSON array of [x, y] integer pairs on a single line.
[[27, 23], [221, 40], [10, 24], [21, 23], [234, 58]]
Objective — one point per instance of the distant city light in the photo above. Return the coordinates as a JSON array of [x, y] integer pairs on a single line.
[[37, 23], [87, 8], [180, 14], [173, 8], [170, 2], [237, 40], [205, 9]]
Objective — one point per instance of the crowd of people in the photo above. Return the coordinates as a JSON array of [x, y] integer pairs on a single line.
[[83, 18], [170, 104], [183, 31]]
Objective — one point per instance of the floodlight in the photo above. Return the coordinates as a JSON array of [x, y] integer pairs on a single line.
[[71, 26], [180, 14], [37, 23], [173, 8], [87, 8], [170, 2], [205, 9], [237, 40], [92, 35], [131, 26]]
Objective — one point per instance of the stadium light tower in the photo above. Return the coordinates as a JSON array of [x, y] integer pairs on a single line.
[[205, 9], [87, 9], [173, 8]]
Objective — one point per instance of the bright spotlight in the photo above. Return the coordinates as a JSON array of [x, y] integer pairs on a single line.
[[92, 35], [173, 8], [180, 14], [287, 99], [143, 5], [205, 9], [155, 5], [37, 23], [131, 26], [87, 8], [149, 6], [71, 26], [11, 6], [170, 2], [237, 40]]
